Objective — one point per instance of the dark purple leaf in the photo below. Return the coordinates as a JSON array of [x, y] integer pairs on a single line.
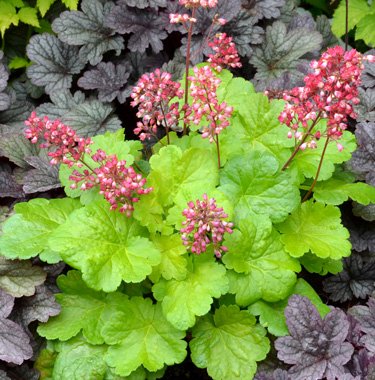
[[244, 32], [38, 307], [355, 280], [278, 374], [44, 177], [4, 98], [366, 317], [19, 278], [14, 342], [54, 62], [87, 28], [324, 28], [366, 212], [363, 159], [366, 107], [9, 187], [315, 347], [266, 9], [17, 112], [359, 365], [108, 79], [146, 26], [368, 75]]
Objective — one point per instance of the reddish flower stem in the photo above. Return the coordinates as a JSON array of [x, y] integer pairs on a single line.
[[317, 173]]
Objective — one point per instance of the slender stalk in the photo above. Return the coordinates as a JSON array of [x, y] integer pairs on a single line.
[[138, 167], [166, 123], [205, 42], [346, 24], [218, 151], [188, 65], [317, 173], [302, 141]]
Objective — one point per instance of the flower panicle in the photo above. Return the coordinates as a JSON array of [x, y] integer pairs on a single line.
[[120, 185], [226, 54], [153, 94], [330, 92], [205, 225], [204, 85]]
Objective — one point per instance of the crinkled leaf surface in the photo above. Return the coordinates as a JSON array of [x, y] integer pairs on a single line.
[[271, 315], [44, 363], [262, 267], [87, 28], [82, 308], [368, 74], [315, 264], [145, 25], [8, 185], [357, 10], [173, 263], [39, 307], [140, 335], [26, 233], [19, 278], [366, 107], [183, 300], [106, 246], [54, 62], [282, 49], [315, 347], [257, 127], [44, 177], [316, 227], [355, 280], [264, 8], [336, 191], [14, 342], [365, 212], [307, 161], [228, 344], [108, 79], [278, 374], [255, 186]]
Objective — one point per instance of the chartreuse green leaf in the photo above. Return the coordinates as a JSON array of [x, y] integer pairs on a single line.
[[262, 268], [257, 127], [44, 6], [365, 30], [82, 308], [8, 16], [172, 170], [111, 143], [107, 246], [315, 227], [26, 233], [183, 300], [29, 16], [173, 263], [357, 10], [271, 315], [141, 335], [336, 191], [255, 186], [44, 364], [307, 161], [229, 344], [315, 264]]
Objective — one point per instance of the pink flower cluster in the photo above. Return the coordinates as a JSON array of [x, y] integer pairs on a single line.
[[153, 94], [203, 90], [226, 54], [70, 147], [205, 222], [119, 184], [330, 92]]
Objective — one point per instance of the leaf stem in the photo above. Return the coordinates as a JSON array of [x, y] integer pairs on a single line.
[[218, 151], [317, 173], [205, 42], [302, 141]]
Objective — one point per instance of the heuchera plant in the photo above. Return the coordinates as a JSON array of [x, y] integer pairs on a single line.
[[217, 237]]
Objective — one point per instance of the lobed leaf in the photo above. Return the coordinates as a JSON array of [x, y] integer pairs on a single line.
[[316, 227], [106, 246], [192, 296], [135, 332], [26, 234], [88, 28], [228, 344]]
